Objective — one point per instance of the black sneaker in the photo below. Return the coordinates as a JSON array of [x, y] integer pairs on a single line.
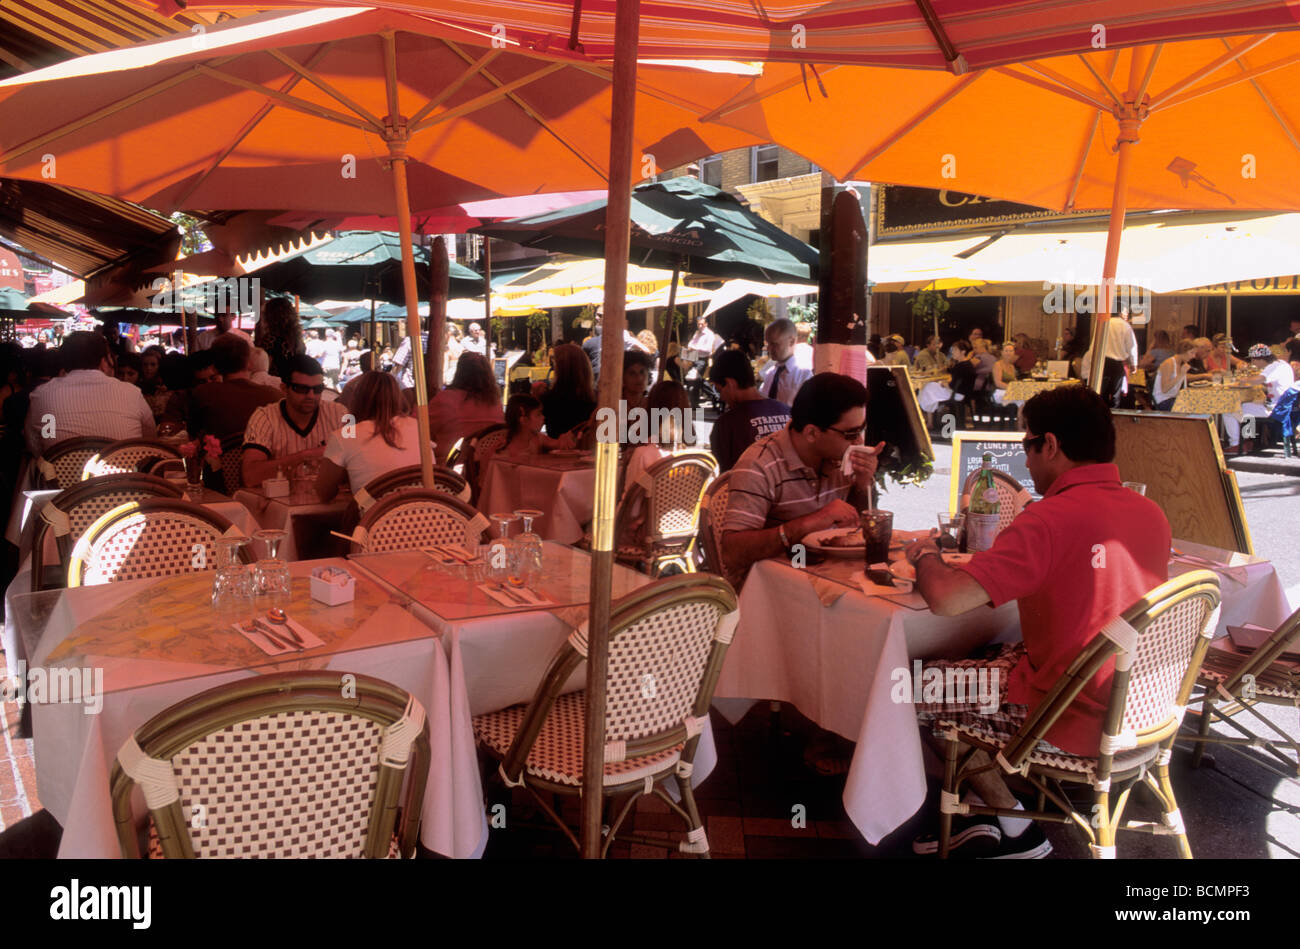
[[965, 831], [1031, 844]]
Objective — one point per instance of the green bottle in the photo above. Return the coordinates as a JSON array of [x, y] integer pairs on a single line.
[[982, 515]]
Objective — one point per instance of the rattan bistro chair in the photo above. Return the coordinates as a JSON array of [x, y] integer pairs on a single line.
[[127, 456], [1235, 684], [62, 466], [1157, 646], [418, 518], [666, 497], [156, 537], [475, 450], [411, 477], [713, 508], [71, 512], [231, 463], [667, 641], [281, 765], [1012, 496]]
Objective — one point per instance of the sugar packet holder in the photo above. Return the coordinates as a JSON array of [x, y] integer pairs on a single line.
[[332, 585]]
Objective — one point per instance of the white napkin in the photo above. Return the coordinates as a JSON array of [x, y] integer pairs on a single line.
[[1237, 574], [309, 639], [533, 599], [847, 464]]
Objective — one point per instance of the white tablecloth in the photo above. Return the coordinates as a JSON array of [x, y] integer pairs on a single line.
[[290, 513], [563, 488], [807, 638], [75, 750]]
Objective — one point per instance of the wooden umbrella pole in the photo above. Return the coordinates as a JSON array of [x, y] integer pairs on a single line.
[[1227, 329], [487, 289], [668, 318], [439, 275], [397, 149], [618, 211]]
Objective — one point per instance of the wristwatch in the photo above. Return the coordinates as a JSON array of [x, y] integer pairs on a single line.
[[785, 541], [928, 553]]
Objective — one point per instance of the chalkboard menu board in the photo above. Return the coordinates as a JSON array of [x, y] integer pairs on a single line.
[[968, 450]]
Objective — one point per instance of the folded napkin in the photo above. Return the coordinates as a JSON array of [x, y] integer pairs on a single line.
[[309, 639], [532, 600]]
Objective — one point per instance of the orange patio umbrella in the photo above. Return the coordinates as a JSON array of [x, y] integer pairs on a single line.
[[956, 35], [353, 110], [1200, 124]]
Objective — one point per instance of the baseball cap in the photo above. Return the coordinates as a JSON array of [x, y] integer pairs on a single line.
[[1260, 351]]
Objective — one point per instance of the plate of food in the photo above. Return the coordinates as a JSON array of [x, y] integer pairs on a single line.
[[837, 542], [902, 570]]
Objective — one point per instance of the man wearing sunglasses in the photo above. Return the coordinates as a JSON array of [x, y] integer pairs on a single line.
[[1073, 561], [790, 483], [294, 429]]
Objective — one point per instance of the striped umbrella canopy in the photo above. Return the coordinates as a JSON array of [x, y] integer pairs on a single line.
[[956, 35]]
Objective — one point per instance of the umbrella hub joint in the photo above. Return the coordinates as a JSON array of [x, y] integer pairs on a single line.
[[396, 135], [1130, 117]]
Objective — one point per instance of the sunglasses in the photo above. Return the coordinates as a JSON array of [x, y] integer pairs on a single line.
[[852, 434], [1033, 440], [301, 389]]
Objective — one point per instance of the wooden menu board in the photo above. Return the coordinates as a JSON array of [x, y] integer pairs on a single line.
[[1179, 460]]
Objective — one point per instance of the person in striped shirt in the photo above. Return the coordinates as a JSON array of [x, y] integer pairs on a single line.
[[790, 483], [293, 430]]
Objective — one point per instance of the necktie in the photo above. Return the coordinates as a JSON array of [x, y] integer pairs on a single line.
[[776, 381]]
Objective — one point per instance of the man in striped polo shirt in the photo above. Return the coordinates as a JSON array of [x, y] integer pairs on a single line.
[[293, 430], [790, 483]]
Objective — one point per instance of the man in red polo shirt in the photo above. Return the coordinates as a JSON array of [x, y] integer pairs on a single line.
[[1074, 560]]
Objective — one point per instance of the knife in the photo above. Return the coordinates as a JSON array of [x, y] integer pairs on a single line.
[[274, 637]]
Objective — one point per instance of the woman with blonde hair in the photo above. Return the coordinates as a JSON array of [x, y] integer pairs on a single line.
[[384, 438]]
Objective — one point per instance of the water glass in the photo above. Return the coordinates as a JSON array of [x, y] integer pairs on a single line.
[[1137, 486], [950, 528], [529, 549]]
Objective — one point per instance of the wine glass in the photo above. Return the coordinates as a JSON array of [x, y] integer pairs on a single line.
[[271, 575], [529, 549], [502, 548]]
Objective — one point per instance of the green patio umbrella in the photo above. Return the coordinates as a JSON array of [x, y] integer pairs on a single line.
[[11, 299], [319, 324], [680, 224], [137, 317], [388, 313], [358, 265]]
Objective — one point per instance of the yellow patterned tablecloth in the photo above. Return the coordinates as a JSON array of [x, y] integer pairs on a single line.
[[1022, 390], [919, 382], [1216, 400]]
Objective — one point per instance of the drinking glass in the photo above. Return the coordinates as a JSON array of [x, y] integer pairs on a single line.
[[877, 529], [500, 565], [232, 584], [950, 528], [529, 549], [1137, 486]]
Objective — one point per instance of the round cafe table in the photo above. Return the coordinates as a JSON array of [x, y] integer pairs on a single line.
[[562, 486]]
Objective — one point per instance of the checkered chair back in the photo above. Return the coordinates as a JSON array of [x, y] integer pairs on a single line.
[[409, 478], [667, 642], [232, 462], [1012, 496], [713, 509], [1158, 646], [70, 513], [62, 466], [157, 537], [669, 491], [476, 449], [165, 466], [418, 518], [278, 766], [126, 457]]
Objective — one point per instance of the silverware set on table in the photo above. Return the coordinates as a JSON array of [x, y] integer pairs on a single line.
[[282, 636]]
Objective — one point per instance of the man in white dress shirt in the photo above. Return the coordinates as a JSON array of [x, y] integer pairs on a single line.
[[87, 400], [476, 342], [1121, 358], [783, 375], [705, 342]]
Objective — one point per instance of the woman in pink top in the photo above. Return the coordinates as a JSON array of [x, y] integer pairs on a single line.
[[470, 403]]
